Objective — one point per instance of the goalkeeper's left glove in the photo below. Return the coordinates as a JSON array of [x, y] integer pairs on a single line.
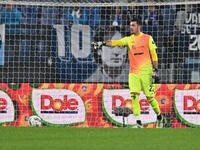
[[155, 76], [98, 45]]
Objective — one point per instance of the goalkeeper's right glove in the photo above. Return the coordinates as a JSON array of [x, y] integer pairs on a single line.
[[98, 45], [155, 76]]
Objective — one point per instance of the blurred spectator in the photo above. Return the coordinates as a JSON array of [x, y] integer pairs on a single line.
[[117, 16], [153, 25], [167, 38], [180, 17], [29, 14], [106, 15], [77, 15], [129, 13], [12, 16], [111, 16], [94, 16], [152, 15], [90, 17], [153, 22], [49, 15]]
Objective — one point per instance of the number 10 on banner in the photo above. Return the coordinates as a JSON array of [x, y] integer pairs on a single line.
[[80, 40]]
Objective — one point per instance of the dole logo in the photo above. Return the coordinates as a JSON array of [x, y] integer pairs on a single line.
[[58, 107], [3, 105], [119, 101], [187, 106], [191, 105], [64, 105], [121, 98], [7, 112]]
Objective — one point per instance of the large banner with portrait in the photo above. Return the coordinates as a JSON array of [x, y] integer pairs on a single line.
[[79, 62], [43, 50]]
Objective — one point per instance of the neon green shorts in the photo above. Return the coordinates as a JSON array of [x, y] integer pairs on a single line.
[[138, 82]]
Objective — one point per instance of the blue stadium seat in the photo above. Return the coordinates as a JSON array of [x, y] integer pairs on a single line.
[[1, 7], [29, 14], [169, 14], [94, 16], [151, 30], [50, 15], [25, 51], [63, 19]]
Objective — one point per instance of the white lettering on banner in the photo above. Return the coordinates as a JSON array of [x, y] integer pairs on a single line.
[[6, 108], [192, 27], [80, 40], [189, 29], [61, 39], [187, 106], [58, 106], [120, 98], [195, 45], [193, 18]]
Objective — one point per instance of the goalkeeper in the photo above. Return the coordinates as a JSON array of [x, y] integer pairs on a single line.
[[143, 72]]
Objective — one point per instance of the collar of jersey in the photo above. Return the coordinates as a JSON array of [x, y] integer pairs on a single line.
[[139, 35]]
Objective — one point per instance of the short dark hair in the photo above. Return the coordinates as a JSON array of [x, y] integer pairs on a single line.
[[138, 20]]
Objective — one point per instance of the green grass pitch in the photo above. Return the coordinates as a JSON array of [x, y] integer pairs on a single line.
[[55, 138]]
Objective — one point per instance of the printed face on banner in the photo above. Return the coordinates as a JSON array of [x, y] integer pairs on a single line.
[[187, 106], [114, 56]]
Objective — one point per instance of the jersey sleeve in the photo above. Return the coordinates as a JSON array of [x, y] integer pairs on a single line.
[[152, 48], [152, 44], [116, 43], [125, 41], [122, 42]]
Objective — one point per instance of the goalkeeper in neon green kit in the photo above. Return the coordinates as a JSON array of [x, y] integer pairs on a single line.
[[143, 71]]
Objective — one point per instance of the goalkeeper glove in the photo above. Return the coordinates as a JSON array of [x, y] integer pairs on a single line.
[[155, 76], [98, 45]]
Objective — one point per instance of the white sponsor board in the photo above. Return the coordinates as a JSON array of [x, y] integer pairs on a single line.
[[121, 98], [7, 112], [187, 106], [58, 106]]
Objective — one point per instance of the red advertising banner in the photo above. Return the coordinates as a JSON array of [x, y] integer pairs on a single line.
[[92, 105]]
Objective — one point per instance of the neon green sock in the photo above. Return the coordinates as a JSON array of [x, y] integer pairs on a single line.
[[136, 105], [154, 105]]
